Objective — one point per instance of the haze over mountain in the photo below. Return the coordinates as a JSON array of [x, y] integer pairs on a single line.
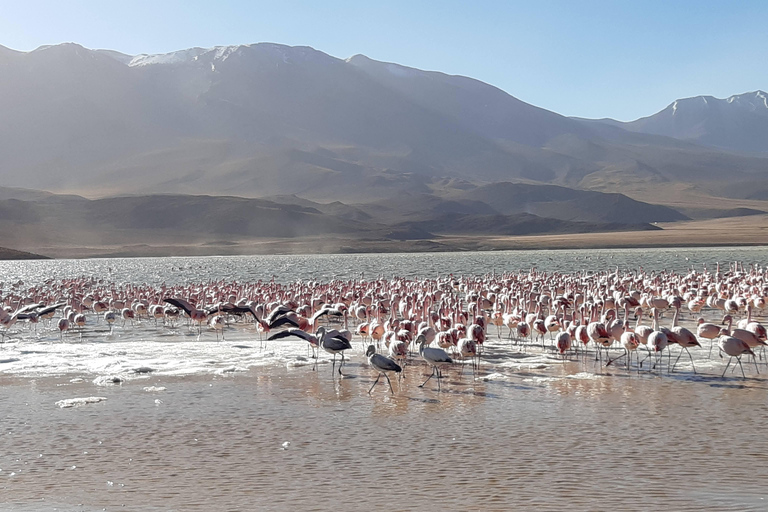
[[351, 148], [737, 123], [129, 225], [268, 119]]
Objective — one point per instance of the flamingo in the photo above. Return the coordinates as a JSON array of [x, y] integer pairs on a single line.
[[748, 337], [334, 342], [63, 326], [657, 338], [217, 323], [630, 341], [563, 342], [467, 348], [707, 331], [381, 364], [684, 338], [299, 333], [196, 315], [733, 347], [435, 357]]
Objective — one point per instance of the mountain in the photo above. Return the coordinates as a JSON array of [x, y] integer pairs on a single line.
[[12, 254], [474, 105], [738, 123], [563, 203], [268, 120], [509, 225], [160, 224]]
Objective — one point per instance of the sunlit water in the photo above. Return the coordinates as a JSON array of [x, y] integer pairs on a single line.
[[192, 423], [326, 267]]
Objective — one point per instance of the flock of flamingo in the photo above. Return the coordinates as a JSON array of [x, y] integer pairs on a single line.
[[445, 319]]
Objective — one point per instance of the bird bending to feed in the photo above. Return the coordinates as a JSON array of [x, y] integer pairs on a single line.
[[196, 315], [733, 347], [435, 357], [381, 364], [217, 323], [293, 331], [327, 311]]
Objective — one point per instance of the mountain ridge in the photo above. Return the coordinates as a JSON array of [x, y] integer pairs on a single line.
[[267, 119], [736, 123]]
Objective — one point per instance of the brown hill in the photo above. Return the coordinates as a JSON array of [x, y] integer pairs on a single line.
[[13, 254]]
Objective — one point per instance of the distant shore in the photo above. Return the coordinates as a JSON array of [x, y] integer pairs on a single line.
[[727, 232], [13, 254]]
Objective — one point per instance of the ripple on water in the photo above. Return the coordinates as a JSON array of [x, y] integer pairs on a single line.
[[575, 436]]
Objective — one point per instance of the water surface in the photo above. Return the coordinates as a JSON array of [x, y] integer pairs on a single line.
[[192, 423]]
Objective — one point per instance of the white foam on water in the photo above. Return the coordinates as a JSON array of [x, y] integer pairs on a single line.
[[524, 366], [542, 379], [145, 350], [107, 380], [495, 376], [585, 376], [77, 402]]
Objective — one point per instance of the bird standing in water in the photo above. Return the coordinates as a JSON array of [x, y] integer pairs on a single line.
[[334, 343], [435, 357], [381, 364]]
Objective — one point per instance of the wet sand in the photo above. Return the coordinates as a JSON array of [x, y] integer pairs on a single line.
[[523, 435]]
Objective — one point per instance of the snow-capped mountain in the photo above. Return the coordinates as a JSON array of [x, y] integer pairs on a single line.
[[265, 119], [737, 123]]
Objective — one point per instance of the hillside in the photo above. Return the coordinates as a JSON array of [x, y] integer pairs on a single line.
[[12, 254], [266, 120], [167, 224], [737, 123]]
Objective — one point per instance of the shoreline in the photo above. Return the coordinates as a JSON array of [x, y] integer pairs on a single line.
[[725, 232], [732, 232], [301, 248]]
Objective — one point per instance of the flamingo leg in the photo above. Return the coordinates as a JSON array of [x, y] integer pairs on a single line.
[[691, 357], [390, 384], [376, 382], [738, 359], [616, 358], [640, 363], [430, 376], [676, 360], [726, 367]]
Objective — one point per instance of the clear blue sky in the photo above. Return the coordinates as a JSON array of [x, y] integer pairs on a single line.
[[585, 58]]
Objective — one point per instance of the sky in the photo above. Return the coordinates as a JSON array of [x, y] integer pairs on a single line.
[[586, 58]]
